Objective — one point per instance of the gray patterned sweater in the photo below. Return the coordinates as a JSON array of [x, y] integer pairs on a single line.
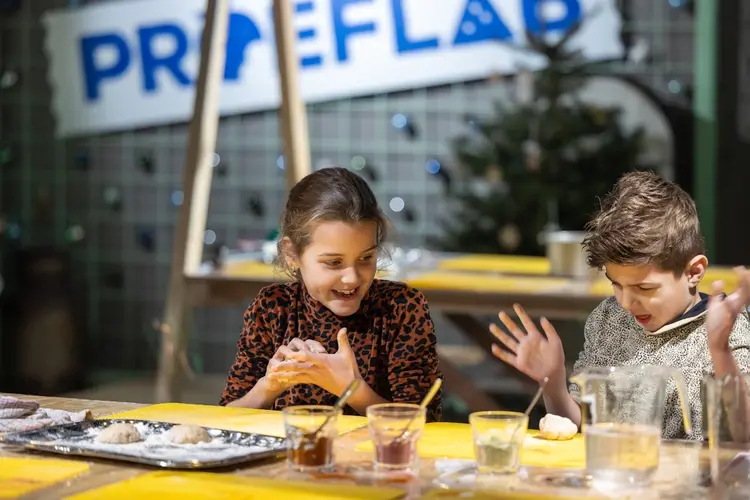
[[614, 338]]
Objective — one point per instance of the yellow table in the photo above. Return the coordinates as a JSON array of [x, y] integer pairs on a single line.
[[84, 479]]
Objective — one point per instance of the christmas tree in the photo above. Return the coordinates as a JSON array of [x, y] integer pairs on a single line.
[[539, 164]]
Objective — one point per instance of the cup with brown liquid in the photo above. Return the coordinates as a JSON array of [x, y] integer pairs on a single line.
[[394, 448], [309, 446]]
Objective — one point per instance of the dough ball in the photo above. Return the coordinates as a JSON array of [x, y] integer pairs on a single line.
[[119, 433], [557, 428], [187, 434]]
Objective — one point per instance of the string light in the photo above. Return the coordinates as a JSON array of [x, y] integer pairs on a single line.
[[404, 124], [209, 237], [358, 162], [112, 198], [432, 166], [397, 204], [177, 198], [74, 234]]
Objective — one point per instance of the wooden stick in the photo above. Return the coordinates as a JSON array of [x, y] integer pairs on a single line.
[[293, 116], [196, 184]]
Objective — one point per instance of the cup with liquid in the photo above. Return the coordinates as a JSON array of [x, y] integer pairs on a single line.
[[498, 440], [622, 415], [310, 447], [394, 448]]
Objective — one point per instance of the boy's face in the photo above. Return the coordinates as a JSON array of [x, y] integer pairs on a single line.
[[653, 296], [339, 264]]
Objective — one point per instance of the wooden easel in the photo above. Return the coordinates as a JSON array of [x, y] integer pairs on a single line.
[[196, 182]]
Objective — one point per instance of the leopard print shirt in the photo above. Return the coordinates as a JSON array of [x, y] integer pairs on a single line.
[[392, 336], [614, 338]]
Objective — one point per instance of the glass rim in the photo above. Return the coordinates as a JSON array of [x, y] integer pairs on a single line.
[[395, 407], [311, 409], [504, 414]]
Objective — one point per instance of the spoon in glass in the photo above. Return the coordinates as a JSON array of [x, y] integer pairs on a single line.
[[339, 405], [425, 402]]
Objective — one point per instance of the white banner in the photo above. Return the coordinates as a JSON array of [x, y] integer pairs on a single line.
[[133, 63]]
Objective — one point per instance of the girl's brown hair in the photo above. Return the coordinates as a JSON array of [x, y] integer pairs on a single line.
[[332, 194]]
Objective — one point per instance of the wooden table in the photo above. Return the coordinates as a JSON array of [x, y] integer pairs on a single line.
[[681, 464]]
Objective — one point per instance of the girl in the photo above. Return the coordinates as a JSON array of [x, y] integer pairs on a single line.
[[305, 341]]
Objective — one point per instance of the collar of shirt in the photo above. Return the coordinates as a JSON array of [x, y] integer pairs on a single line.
[[693, 314]]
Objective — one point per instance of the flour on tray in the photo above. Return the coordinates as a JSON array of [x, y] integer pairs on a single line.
[[153, 447]]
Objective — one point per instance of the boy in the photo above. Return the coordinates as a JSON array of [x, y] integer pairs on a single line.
[[647, 239]]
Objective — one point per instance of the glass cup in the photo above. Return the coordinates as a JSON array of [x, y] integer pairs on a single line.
[[387, 421], [726, 426], [498, 439], [306, 449]]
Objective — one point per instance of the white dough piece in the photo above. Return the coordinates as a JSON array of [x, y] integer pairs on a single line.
[[187, 434], [119, 433], [557, 428]]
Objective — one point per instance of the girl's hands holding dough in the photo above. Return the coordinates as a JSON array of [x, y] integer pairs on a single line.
[[281, 367], [332, 372]]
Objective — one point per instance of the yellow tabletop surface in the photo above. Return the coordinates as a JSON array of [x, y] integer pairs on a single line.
[[455, 441], [489, 273], [267, 422], [510, 264], [207, 485], [20, 476]]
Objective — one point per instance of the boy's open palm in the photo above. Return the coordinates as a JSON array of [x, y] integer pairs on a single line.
[[534, 354], [723, 310]]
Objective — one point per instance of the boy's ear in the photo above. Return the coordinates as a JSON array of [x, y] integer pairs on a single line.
[[290, 256], [696, 269]]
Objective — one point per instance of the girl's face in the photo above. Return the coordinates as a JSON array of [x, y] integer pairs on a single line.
[[339, 264]]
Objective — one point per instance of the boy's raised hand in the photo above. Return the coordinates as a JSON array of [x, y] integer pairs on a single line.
[[529, 351], [723, 311]]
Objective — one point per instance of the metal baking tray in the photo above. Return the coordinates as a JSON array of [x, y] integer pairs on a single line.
[[226, 448]]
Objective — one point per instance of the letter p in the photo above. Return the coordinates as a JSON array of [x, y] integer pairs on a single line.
[[94, 74]]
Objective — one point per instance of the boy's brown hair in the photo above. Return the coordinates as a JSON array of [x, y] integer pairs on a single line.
[[644, 220]]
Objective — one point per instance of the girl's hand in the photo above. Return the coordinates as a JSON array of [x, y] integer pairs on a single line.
[[276, 378], [535, 355], [297, 344], [332, 372], [723, 311]]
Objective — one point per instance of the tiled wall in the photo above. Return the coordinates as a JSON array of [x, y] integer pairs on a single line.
[[126, 281]]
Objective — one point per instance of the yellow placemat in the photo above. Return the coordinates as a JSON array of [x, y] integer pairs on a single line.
[[237, 268], [477, 282], [265, 422], [20, 476], [449, 440], [603, 287], [252, 268], [206, 485], [516, 264]]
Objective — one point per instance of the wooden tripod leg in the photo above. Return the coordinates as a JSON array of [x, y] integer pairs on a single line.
[[196, 183], [293, 115]]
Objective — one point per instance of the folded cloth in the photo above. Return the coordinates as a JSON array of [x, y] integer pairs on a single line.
[[24, 415]]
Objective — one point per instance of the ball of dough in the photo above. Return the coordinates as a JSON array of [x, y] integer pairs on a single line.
[[187, 434], [555, 427], [119, 433]]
